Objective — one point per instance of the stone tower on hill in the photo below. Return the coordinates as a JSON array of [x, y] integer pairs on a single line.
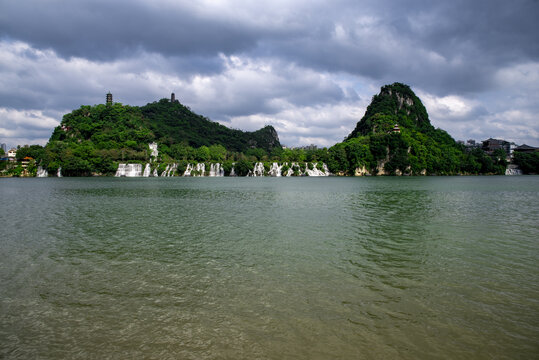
[[109, 98]]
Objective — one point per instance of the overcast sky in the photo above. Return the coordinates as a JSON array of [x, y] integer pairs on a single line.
[[309, 68]]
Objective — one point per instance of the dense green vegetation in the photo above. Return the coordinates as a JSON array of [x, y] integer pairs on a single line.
[[94, 139], [173, 123], [32, 152], [396, 104], [418, 148], [527, 162]]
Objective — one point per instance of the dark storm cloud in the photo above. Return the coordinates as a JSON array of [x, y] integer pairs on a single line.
[[251, 63], [439, 45], [106, 30], [265, 87]]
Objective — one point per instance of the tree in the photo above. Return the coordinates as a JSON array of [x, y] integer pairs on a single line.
[[338, 159], [203, 154], [34, 151], [242, 167], [217, 153], [527, 162]]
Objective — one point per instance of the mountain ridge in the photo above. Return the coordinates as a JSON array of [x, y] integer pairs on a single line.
[[394, 137]]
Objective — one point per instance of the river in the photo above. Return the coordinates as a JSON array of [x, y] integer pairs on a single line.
[[270, 268]]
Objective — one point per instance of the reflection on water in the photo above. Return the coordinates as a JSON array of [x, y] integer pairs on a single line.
[[270, 268]]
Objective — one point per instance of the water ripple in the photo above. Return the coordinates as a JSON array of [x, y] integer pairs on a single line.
[[270, 268]]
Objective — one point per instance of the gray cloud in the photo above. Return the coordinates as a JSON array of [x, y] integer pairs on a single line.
[[284, 62], [105, 30]]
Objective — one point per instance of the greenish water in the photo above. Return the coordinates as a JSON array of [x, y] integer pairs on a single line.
[[270, 268]]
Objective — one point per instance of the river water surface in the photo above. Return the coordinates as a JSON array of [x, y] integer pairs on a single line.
[[270, 268]]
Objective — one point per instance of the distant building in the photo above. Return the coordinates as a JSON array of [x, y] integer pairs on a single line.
[[491, 145], [4, 147], [526, 149], [306, 147], [109, 98], [471, 144], [173, 98], [26, 161], [396, 129], [12, 153]]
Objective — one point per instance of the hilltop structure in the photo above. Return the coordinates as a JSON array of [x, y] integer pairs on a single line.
[[491, 145], [526, 149], [396, 137], [109, 98]]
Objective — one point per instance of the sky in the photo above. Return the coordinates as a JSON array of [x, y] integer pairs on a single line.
[[309, 68]]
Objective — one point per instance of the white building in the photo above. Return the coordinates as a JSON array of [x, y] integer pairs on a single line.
[[11, 154]]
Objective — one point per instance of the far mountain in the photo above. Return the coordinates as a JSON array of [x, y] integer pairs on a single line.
[[395, 137], [165, 122], [396, 104], [94, 139]]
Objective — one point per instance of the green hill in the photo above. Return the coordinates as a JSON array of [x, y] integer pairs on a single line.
[[395, 136], [93, 139], [173, 123], [396, 104]]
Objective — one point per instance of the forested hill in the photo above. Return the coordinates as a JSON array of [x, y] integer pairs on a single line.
[[395, 136], [172, 123], [119, 126], [396, 104]]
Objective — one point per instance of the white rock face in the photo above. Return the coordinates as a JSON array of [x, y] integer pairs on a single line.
[[316, 172], [147, 171], [41, 172], [258, 170], [153, 148], [188, 170], [326, 170], [275, 170], [129, 170], [513, 170], [199, 169], [290, 171], [361, 171], [170, 170], [216, 170], [164, 173]]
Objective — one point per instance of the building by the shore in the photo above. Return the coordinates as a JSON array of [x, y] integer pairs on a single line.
[[526, 149]]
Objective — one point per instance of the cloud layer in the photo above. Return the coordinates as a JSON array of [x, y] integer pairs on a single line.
[[307, 67]]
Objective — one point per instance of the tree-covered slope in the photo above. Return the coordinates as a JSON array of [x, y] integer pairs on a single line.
[[173, 123], [93, 139], [394, 137], [118, 126], [376, 146], [396, 104]]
